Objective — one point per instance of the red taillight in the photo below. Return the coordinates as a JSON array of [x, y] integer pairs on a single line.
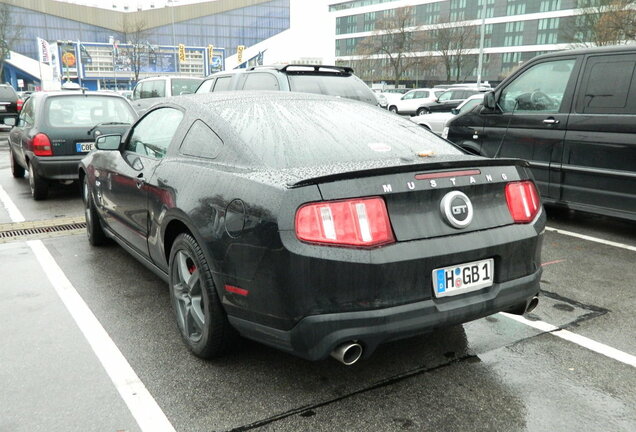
[[19, 104], [42, 145], [523, 201], [356, 222]]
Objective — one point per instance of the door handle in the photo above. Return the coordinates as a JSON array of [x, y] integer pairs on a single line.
[[140, 181], [551, 121]]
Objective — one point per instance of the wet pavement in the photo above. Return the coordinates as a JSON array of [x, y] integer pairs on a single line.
[[493, 374]]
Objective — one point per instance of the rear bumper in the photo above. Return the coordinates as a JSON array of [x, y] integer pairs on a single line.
[[57, 167], [314, 337]]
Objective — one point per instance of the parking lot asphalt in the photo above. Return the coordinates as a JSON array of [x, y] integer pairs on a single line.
[[491, 374]]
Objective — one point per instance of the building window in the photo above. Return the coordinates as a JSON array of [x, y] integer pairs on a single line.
[[516, 7], [550, 5]]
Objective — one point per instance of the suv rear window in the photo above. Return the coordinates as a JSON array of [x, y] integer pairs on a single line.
[[7, 92], [333, 85], [184, 86], [79, 111]]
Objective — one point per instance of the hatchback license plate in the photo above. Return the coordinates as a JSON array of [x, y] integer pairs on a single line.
[[463, 278], [84, 147]]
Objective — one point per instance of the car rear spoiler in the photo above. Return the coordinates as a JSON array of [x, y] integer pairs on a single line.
[[428, 166]]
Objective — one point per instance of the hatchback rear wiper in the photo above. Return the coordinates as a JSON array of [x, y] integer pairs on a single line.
[[90, 131]]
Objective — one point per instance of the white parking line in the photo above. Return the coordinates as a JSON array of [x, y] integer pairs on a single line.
[[592, 239], [140, 402], [590, 344]]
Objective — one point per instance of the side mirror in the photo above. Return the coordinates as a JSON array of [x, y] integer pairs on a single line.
[[489, 100], [108, 142], [9, 121], [455, 111]]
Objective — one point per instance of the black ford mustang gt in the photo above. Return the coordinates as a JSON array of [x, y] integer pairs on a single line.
[[312, 224]]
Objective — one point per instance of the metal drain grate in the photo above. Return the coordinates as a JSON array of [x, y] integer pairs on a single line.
[[41, 229]]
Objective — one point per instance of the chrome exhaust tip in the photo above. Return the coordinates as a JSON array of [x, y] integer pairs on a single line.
[[347, 353], [532, 304]]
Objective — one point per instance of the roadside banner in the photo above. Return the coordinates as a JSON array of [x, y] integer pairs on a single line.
[[44, 51]]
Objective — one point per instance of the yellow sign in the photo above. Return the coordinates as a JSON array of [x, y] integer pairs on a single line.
[[181, 53], [239, 53], [210, 53], [68, 59]]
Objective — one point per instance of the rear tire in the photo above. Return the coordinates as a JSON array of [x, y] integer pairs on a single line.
[[200, 316], [422, 111], [393, 109], [94, 230], [16, 170], [39, 185]]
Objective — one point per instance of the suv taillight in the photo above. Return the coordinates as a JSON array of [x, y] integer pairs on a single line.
[[42, 145], [523, 201], [362, 222], [19, 104]]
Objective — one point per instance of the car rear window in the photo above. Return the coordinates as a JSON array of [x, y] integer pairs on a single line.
[[333, 85], [184, 86], [7, 92], [86, 110], [289, 133]]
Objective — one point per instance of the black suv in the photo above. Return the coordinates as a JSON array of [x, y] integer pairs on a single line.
[[8, 102], [320, 79], [572, 115]]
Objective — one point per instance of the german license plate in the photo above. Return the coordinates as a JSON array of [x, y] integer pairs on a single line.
[[463, 278], [84, 147]]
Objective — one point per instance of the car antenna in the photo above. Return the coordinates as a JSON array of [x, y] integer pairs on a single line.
[[507, 126]]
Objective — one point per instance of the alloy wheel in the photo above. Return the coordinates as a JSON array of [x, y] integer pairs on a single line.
[[187, 291]]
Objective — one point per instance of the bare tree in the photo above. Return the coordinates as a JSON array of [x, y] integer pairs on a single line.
[[135, 35], [10, 32], [602, 22], [392, 48], [454, 43]]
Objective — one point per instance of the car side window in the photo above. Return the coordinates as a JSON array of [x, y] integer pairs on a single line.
[[158, 88], [609, 85], [445, 96], [408, 96], [222, 83], [27, 114], [201, 141], [153, 134], [206, 86], [137, 92], [538, 89], [260, 81]]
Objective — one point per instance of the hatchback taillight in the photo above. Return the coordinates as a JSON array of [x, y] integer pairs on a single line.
[[42, 145], [19, 104], [523, 201], [360, 222]]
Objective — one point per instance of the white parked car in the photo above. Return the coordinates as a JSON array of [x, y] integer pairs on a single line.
[[412, 100], [437, 121]]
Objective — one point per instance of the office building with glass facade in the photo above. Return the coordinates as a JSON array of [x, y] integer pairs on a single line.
[[104, 45], [514, 32]]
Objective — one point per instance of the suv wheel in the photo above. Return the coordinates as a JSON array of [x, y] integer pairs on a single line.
[[39, 186], [393, 109], [16, 169]]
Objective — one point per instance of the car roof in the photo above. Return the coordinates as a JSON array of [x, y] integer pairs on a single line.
[[594, 50]]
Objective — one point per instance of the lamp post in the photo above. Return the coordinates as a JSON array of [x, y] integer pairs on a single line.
[[481, 43], [174, 42]]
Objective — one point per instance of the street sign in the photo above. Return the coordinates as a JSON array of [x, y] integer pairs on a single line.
[[210, 53], [239, 53], [181, 53]]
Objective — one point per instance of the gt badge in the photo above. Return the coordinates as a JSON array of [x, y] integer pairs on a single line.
[[457, 209]]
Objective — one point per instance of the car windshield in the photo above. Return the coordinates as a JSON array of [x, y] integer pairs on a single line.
[[333, 85], [184, 86], [319, 132], [86, 110]]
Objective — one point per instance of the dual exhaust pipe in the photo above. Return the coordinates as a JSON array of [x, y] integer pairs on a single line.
[[349, 353]]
